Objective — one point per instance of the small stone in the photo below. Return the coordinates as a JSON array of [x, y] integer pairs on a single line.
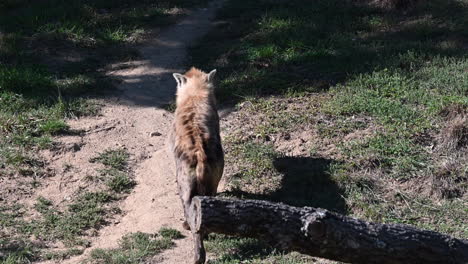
[[76, 147], [155, 134]]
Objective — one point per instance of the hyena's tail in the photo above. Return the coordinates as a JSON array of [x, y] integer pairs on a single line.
[[201, 171]]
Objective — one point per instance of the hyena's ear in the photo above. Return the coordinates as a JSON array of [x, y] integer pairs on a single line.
[[211, 75], [180, 79]]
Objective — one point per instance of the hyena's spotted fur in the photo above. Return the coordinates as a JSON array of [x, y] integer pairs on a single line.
[[196, 143]]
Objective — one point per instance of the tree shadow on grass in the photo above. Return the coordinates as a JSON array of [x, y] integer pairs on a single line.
[[277, 47], [262, 48], [45, 41], [305, 182]]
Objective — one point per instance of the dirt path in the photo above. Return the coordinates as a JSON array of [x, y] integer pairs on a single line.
[[128, 121]]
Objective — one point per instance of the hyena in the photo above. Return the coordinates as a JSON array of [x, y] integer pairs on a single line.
[[196, 143]]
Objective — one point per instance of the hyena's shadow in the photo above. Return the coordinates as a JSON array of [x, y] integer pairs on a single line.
[[306, 182]]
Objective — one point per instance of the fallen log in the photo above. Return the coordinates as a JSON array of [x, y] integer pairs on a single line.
[[321, 233]]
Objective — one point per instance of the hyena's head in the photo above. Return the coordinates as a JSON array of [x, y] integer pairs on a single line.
[[194, 83]]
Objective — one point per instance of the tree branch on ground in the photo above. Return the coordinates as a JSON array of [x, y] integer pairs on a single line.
[[325, 234]]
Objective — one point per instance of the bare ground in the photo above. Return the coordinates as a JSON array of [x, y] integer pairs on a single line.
[[135, 120]]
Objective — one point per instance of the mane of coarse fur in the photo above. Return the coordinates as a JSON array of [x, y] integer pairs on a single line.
[[194, 72], [196, 88], [195, 103]]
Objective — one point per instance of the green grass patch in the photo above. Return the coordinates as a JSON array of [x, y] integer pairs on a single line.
[[136, 247], [28, 124], [259, 158], [10, 216], [87, 211], [370, 199], [256, 168], [32, 81], [294, 112], [373, 93], [61, 255], [266, 47], [398, 156], [114, 158], [17, 251], [53, 56], [52, 53], [71, 224], [231, 250], [170, 233], [118, 181], [53, 127], [87, 23], [52, 224]]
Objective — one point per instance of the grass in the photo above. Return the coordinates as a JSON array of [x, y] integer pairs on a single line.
[[71, 224], [15, 248], [118, 181], [353, 107], [27, 127], [15, 252], [115, 174], [136, 247], [247, 250], [170, 233], [61, 255], [114, 158], [52, 58], [87, 211], [347, 106], [87, 22]]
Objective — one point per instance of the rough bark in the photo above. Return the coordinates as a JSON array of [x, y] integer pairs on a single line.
[[325, 234]]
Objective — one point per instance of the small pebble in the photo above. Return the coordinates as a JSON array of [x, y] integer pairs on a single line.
[[155, 134]]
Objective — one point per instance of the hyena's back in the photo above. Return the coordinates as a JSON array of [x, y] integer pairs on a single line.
[[197, 149]]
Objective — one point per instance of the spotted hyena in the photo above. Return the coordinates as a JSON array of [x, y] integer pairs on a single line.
[[196, 143]]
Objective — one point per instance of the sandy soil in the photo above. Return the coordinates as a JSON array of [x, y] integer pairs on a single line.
[[135, 120]]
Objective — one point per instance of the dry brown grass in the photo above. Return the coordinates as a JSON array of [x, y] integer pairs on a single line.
[[450, 179], [454, 136], [451, 172], [453, 110]]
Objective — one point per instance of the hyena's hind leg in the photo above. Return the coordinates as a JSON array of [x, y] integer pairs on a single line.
[[199, 248], [187, 194], [186, 205], [186, 187]]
